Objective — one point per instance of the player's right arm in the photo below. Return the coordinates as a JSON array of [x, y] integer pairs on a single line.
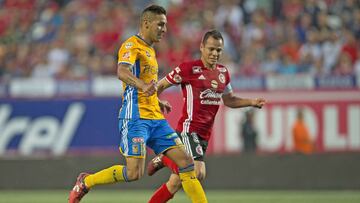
[[124, 74], [127, 56], [161, 86]]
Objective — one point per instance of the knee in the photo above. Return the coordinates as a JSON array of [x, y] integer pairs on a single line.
[[174, 184], [133, 174], [200, 175], [185, 161]]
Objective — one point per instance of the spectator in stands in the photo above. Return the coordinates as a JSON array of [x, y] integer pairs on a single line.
[[310, 51], [288, 66], [344, 65], [303, 26], [350, 46], [357, 65], [95, 27], [249, 66], [290, 49], [331, 49], [271, 63], [302, 140], [249, 133]]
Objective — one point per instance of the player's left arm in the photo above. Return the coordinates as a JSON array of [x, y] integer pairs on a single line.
[[233, 101], [161, 86]]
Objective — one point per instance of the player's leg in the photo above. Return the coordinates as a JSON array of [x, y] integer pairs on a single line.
[[132, 146], [200, 170], [166, 191], [165, 140], [189, 182], [133, 170], [194, 145]]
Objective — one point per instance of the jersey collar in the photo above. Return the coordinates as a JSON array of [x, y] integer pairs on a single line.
[[138, 36]]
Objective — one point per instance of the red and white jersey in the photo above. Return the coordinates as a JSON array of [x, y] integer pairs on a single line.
[[202, 91]]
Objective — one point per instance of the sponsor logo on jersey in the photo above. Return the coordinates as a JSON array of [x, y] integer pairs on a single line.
[[210, 94], [196, 69], [128, 45], [222, 78], [207, 97], [148, 54], [126, 55], [201, 77], [214, 84], [153, 70], [138, 140]]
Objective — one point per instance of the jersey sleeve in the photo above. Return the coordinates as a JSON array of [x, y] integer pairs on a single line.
[[127, 53], [228, 88], [178, 75]]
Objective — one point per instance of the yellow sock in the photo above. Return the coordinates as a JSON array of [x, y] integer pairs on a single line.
[[107, 176], [192, 187]]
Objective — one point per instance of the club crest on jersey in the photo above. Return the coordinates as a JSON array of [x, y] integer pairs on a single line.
[[214, 84], [148, 54], [177, 78], [128, 45], [199, 150], [222, 78], [135, 149], [196, 69]]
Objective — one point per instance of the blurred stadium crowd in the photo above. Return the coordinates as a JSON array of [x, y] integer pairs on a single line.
[[79, 39]]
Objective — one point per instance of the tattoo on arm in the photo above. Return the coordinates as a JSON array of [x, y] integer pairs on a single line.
[[130, 81]]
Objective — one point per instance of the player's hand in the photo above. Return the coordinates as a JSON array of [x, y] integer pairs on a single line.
[[149, 88], [258, 102], [165, 106]]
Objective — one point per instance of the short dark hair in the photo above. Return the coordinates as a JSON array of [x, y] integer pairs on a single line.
[[154, 9], [212, 33]]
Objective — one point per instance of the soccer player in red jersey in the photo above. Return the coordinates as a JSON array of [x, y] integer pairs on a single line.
[[204, 83]]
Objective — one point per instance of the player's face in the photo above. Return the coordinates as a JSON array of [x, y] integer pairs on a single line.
[[157, 27], [211, 51]]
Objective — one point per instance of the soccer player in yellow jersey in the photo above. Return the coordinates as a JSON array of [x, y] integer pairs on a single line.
[[141, 122]]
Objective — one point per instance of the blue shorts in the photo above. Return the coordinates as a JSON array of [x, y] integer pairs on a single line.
[[137, 134]]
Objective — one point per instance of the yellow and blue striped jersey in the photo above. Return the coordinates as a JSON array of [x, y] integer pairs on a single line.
[[141, 56]]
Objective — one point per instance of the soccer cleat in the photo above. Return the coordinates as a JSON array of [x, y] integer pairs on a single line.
[[155, 164], [79, 190]]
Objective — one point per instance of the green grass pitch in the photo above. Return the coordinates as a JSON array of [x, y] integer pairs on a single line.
[[214, 196]]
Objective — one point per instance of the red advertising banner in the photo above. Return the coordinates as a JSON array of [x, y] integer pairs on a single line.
[[332, 119]]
